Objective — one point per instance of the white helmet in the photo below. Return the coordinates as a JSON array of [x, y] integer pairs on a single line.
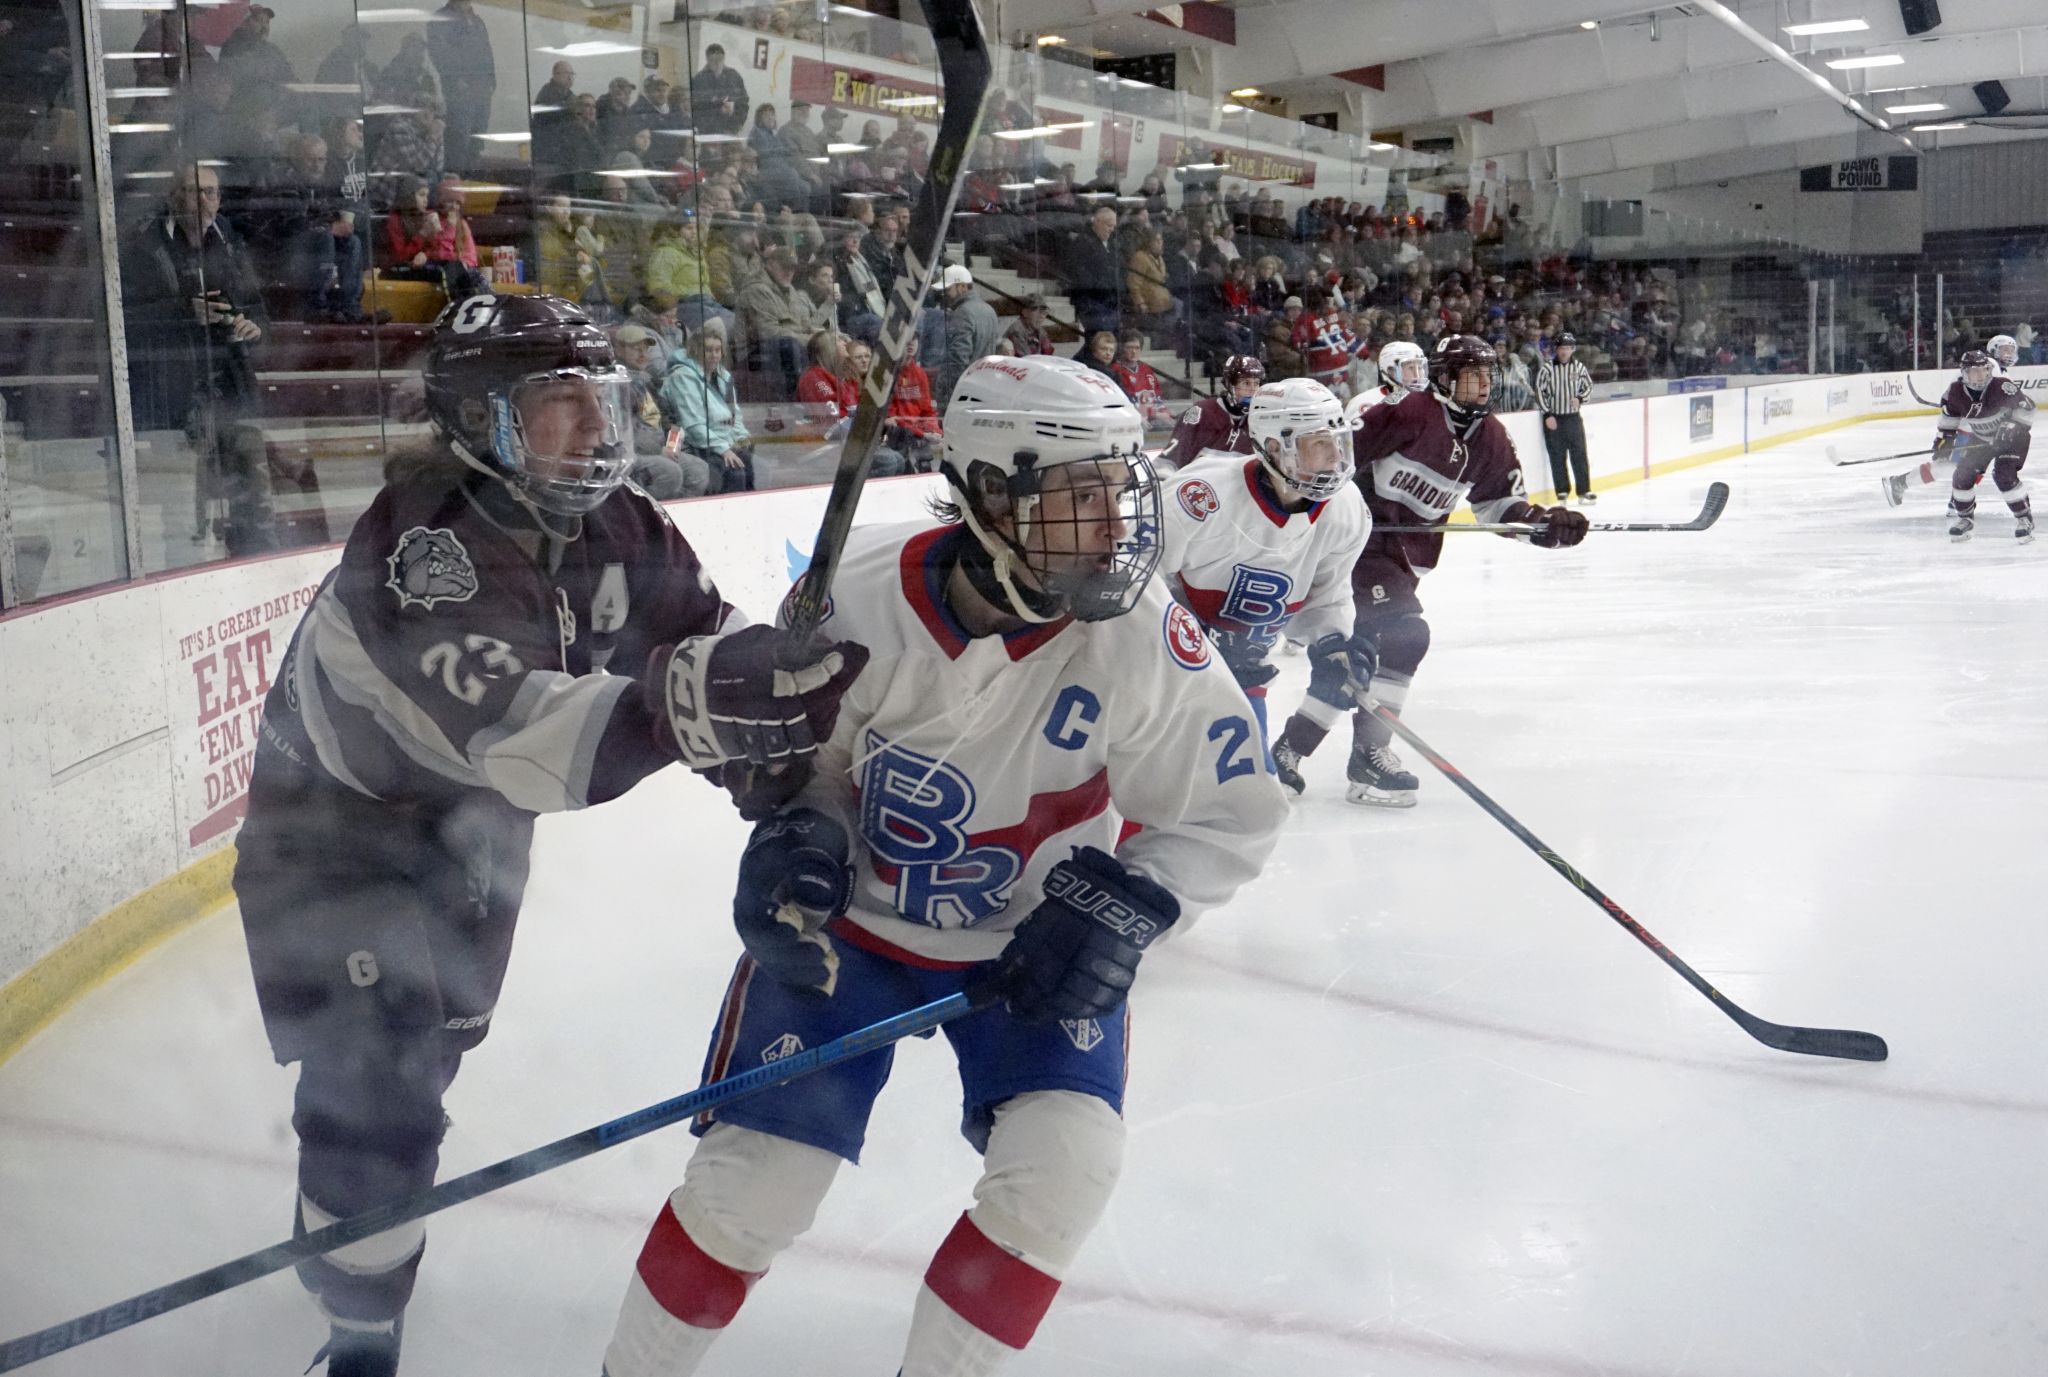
[[1008, 422], [1286, 413], [2005, 349], [1394, 360]]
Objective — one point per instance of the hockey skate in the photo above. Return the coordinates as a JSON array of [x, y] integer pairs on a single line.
[[1894, 489], [2022, 532], [1961, 526], [1287, 767], [1377, 778], [351, 1352]]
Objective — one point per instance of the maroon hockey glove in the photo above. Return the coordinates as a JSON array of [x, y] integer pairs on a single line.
[[1558, 527], [1076, 954], [729, 698]]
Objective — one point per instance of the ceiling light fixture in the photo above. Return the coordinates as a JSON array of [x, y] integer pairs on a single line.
[[1589, 23], [1050, 40], [1847, 64], [1830, 26], [1937, 128], [593, 48], [1244, 93], [1914, 109]]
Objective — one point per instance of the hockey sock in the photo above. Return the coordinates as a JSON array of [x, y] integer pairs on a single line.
[[365, 1284], [679, 1300], [979, 1302], [1302, 736]]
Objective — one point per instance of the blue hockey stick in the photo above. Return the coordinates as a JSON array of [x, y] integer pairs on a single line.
[[214, 1280]]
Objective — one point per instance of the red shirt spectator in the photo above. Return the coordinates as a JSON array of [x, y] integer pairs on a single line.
[[820, 386], [910, 405]]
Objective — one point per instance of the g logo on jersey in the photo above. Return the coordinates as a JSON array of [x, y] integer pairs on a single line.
[[430, 567], [1198, 499], [1184, 639]]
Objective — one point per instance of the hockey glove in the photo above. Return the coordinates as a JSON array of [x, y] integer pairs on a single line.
[[1245, 657], [1076, 954], [730, 697], [1340, 669], [794, 879], [1558, 527]]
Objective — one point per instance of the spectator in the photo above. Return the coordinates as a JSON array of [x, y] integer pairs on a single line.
[[1145, 285], [776, 317], [971, 326], [718, 95], [460, 46], [913, 414], [312, 234], [410, 147], [405, 80], [1092, 272], [615, 117], [556, 93], [823, 385], [882, 249], [650, 110], [454, 247], [861, 303], [821, 285], [733, 263], [1098, 351], [194, 312], [409, 233], [252, 61], [856, 357], [1137, 379], [569, 151], [1027, 333], [567, 250], [663, 475], [700, 389], [1283, 359], [676, 272], [804, 155], [346, 73]]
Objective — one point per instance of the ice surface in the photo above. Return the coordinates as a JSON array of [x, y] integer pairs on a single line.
[[1409, 1106]]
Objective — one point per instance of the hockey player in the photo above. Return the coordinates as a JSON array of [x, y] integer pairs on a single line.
[[1417, 460], [1262, 547], [1940, 467], [1986, 421], [512, 630], [2005, 352], [1031, 682], [1217, 422]]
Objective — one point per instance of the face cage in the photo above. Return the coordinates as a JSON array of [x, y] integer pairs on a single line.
[[2006, 354], [1097, 595], [1322, 486], [566, 493], [1420, 382], [1978, 376]]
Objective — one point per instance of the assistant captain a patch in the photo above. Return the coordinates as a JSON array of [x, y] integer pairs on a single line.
[[430, 567]]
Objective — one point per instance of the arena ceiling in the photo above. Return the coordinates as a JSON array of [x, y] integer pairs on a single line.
[[1616, 90]]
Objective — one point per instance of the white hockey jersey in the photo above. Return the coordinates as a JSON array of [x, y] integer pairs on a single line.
[[966, 767], [1245, 564]]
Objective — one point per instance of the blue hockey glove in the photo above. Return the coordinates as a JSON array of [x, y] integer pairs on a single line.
[[794, 878], [1077, 953], [1245, 657], [1340, 669]]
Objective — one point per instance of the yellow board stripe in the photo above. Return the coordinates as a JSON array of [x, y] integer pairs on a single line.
[[109, 943]]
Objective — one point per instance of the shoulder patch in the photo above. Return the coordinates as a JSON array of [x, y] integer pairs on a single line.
[[1185, 641], [430, 567], [1192, 416], [1198, 499]]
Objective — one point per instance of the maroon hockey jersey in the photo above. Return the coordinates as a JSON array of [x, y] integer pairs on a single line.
[[1207, 424], [1986, 415], [1415, 469], [456, 649]]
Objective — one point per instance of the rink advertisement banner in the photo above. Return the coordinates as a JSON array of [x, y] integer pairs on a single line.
[[1252, 163], [1700, 419], [224, 633]]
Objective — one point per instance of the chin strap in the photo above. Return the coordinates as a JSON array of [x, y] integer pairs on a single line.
[[990, 567]]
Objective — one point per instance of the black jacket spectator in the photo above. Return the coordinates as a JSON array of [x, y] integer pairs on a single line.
[[1092, 272], [460, 46], [718, 95]]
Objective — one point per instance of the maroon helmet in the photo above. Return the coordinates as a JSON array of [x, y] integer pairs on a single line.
[[495, 362], [1976, 360], [1236, 368], [1455, 356]]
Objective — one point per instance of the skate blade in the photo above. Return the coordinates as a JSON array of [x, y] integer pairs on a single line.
[[1370, 797]]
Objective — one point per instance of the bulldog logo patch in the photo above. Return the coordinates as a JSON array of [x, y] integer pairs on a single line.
[[430, 567]]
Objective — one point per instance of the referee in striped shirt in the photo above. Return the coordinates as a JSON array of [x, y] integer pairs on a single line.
[[1561, 385]]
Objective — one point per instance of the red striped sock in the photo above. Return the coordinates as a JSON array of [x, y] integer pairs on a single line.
[[688, 1282], [1003, 1296]]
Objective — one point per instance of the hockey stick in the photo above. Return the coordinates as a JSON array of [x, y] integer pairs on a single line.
[[1931, 406], [965, 71], [1834, 457], [58, 1338], [1817, 1042], [1710, 512]]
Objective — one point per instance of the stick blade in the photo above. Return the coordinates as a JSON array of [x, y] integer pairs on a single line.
[[1716, 503], [1845, 1043]]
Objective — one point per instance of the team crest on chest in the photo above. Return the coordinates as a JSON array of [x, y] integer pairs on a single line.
[[1198, 499], [1184, 638], [430, 567]]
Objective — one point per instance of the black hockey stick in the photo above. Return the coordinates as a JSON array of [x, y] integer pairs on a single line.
[[1710, 512], [58, 1338], [1834, 457], [965, 70], [1816, 1042], [1931, 406]]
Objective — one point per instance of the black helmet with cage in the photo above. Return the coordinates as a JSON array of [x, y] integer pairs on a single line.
[[1455, 357], [528, 390], [1979, 368]]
